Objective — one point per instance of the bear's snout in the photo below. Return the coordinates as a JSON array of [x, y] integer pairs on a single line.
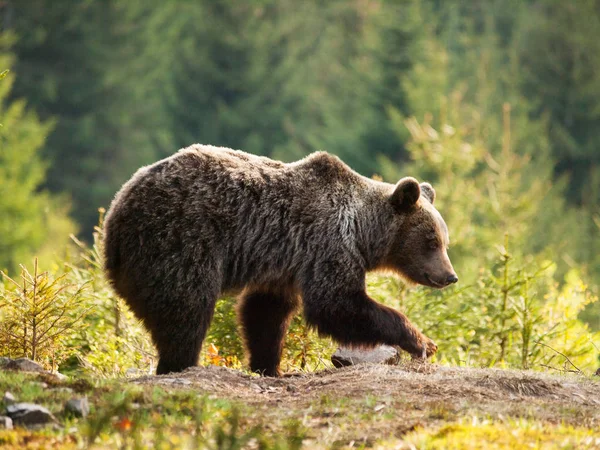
[[451, 279], [440, 281]]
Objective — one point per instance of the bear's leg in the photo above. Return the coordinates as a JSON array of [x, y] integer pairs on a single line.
[[265, 316], [178, 333], [354, 319]]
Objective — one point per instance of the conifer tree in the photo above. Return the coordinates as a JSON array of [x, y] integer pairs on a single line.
[[32, 222], [61, 57]]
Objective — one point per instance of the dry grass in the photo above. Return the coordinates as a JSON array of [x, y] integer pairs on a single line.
[[367, 404], [419, 382], [413, 405]]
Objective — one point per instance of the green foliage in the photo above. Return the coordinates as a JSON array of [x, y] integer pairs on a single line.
[[304, 350], [71, 66], [558, 53], [491, 197], [223, 345], [285, 79], [209, 424], [515, 315], [31, 220], [39, 315]]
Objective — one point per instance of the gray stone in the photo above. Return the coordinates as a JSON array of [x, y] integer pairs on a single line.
[[29, 414], [383, 354], [23, 365], [78, 407], [66, 390], [6, 423], [8, 398], [133, 372], [175, 381]]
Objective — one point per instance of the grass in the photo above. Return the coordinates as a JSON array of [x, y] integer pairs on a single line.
[[377, 407], [484, 434], [124, 415]]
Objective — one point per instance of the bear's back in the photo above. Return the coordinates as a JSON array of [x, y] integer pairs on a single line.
[[229, 158], [250, 215]]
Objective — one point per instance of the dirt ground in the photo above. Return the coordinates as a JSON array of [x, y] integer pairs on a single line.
[[364, 403]]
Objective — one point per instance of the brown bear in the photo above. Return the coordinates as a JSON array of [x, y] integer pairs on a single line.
[[210, 220]]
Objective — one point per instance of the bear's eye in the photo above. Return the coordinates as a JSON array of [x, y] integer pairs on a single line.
[[433, 244]]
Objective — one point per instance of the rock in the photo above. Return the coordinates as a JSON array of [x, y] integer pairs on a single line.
[[383, 354], [6, 423], [3, 361], [8, 398], [78, 407], [29, 414], [22, 365], [175, 381], [60, 377], [66, 390], [133, 372]]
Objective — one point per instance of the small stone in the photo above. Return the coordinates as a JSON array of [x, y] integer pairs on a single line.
[[8, 398], [60, 377], [66, 390], [29, 414], [6, 423], [291, 388], [133, 372], [23, 365], [175, 381], [78, 407], [383, 354]]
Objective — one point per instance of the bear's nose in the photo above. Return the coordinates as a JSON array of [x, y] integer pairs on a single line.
[[451, 279]]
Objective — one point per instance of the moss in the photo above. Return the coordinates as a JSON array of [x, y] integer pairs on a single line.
[[521, 433]]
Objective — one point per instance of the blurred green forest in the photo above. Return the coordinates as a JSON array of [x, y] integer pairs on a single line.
[[495, 102]]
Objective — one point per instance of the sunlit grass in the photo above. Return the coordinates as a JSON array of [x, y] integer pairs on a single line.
[[477, 434], [131, 416]]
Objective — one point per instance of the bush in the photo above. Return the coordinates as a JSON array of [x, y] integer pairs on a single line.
[[514, 315], [304, 350], [40, 314]]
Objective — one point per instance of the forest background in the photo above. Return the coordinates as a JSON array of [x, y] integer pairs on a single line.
[[496, 103]]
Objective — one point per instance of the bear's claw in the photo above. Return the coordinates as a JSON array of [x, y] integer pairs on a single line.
[[429, 348]]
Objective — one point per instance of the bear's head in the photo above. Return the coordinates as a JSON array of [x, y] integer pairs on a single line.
[[419, 244]]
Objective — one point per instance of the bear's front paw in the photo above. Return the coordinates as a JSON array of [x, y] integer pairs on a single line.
[[428, 349]]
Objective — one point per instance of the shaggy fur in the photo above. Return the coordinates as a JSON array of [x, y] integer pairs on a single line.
[[210, 220]]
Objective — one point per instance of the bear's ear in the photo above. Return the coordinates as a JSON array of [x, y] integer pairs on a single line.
[[428, 191], [406, 194]]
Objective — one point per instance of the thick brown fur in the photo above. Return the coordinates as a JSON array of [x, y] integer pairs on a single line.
[[209, 220]]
